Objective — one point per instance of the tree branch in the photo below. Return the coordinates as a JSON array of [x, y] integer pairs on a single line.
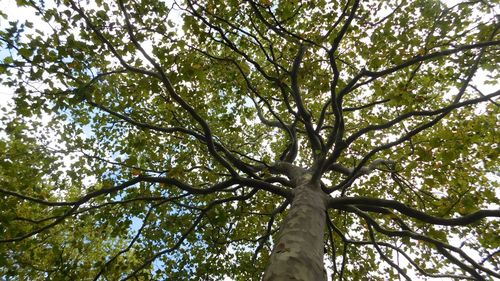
[[344, 203]]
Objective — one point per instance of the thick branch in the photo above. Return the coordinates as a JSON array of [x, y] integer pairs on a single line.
[[344, 203], [296, 93]]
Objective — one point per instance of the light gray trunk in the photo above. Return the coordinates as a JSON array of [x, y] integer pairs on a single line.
[[298, 249]]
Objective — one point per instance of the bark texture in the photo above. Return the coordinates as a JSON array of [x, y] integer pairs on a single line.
[[298, 249]]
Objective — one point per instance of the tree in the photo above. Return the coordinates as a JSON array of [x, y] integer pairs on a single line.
[[251, 139]]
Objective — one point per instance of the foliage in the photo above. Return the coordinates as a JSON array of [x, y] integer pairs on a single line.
[[146, 137]]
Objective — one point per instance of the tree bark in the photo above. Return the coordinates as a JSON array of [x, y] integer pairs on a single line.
[[299, 248]]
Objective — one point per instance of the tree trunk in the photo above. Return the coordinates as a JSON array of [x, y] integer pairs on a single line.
[[299, 248]]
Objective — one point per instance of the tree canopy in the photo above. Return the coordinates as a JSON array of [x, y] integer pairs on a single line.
[[153, 140]]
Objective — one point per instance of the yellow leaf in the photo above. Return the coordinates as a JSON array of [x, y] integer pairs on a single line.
[[136, 172], [267, 3]]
